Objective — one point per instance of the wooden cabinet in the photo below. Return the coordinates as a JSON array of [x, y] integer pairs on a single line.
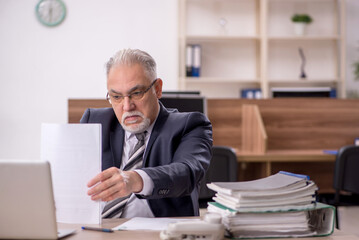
[[252, 44]]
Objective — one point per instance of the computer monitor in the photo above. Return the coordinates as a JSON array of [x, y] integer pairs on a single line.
[[326, 92], [185, 102], [181, 92]]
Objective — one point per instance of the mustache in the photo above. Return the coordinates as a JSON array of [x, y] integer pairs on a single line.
[[130, 114]]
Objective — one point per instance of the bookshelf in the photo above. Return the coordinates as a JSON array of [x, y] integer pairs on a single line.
[[252, 44]]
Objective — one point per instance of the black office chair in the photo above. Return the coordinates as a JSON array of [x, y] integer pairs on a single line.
[[346, 178], [223, 168]]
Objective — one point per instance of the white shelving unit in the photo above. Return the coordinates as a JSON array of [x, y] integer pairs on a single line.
[[251, 44]]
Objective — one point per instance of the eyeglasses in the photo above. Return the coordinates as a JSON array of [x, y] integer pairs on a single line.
[[136, 95]]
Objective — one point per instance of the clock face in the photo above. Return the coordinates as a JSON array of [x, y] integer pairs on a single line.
[[51, 12]]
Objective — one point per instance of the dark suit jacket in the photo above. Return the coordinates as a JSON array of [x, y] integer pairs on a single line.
[[177, 155]]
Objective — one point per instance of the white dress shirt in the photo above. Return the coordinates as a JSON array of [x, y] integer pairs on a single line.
[[136, 207]]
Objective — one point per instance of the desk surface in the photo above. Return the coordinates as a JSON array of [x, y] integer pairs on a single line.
[[149, 235]]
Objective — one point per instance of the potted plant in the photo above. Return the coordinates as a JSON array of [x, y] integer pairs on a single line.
[[300, 22], [356, 70]]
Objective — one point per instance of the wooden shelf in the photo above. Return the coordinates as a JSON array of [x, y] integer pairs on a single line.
[[199, 38], [303, 38], [298, 81], [220, 80], [256, 44]]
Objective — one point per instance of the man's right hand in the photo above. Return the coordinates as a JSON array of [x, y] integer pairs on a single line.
[[114, 183]]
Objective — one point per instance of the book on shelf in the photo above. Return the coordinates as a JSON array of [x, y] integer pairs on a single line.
[[281, 205]]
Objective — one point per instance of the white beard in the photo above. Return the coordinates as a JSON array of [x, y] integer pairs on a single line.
[[135, 128]]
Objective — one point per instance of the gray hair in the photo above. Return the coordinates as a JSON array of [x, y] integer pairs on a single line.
[[131, 57]]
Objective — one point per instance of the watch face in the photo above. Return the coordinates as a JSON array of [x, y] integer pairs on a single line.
[[51, 12]]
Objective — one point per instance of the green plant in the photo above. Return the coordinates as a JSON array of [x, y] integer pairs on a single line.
[[303, 18], [351, 94], [356, 70]]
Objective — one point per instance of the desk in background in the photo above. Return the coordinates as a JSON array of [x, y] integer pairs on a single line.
[[294, 127], [155, 235], [286, 134], [314, 163]]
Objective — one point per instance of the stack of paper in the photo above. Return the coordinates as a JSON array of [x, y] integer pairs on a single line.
[[280, 205], [267, 194]]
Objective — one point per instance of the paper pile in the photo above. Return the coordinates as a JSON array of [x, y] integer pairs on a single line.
[[281, 205]]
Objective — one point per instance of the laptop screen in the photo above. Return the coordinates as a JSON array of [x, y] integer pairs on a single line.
[[27, 202]]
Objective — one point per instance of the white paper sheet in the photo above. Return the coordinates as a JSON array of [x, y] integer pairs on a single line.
[[151, 224], [74, 153]]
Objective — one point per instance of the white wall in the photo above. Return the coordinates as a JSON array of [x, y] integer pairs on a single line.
[[41, 67], [352, 44]]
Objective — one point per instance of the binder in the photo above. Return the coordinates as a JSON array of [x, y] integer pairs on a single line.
[[189, 60], [251, 93], [196, 68], [298, 221]]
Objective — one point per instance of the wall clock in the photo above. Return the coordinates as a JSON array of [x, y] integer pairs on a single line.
[[50, 12]]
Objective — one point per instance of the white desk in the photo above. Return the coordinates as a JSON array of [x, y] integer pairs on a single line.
[[149, 235]]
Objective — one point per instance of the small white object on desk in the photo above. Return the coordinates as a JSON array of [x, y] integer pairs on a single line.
[[211, 228]]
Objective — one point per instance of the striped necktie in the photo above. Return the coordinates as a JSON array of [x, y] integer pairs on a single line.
[[113, 209]]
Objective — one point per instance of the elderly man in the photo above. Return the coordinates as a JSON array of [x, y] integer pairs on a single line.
[[153, 158]]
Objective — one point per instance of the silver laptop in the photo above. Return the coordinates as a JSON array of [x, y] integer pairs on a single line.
[[27, 206]]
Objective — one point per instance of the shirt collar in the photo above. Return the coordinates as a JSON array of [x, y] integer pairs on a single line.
[[129, 135]]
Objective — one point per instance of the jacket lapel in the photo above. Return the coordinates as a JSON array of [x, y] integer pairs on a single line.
[[161, 119], [116, 142]]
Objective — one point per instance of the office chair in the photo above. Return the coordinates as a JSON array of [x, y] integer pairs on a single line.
[[223, 168], [346, 178]]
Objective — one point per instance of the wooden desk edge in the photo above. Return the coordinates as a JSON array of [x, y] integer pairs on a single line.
[[314, 155]]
